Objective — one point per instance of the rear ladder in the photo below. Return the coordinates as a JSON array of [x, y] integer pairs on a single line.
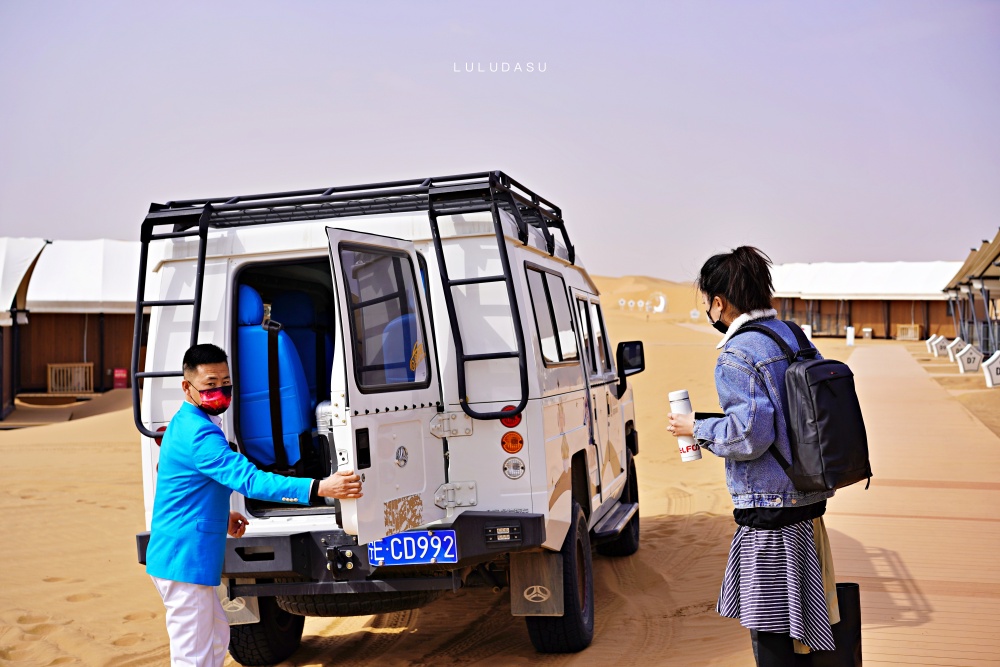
[[435, 200], [177, 220]]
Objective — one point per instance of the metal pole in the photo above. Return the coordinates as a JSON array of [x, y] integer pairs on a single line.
[[991, 334], [975, 321]]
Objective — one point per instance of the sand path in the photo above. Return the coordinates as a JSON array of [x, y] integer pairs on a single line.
[[921, 541]]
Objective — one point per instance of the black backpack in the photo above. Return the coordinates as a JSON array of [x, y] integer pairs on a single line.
[[825, 427]]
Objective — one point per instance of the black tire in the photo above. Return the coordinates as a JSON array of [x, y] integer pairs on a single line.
[[275, 638], [355, 604], [627, 542], [574, 630]]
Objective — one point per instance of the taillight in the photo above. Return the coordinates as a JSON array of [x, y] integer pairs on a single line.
[[512, 442], [159, 440], [510, 422]]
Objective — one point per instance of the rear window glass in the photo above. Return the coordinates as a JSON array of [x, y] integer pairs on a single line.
[[390, 349]]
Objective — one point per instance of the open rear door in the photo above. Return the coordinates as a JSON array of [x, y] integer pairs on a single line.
[[391, 387]]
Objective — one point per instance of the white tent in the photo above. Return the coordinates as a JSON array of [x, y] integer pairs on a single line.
[[16, 257], [920, 281], [98, 276]]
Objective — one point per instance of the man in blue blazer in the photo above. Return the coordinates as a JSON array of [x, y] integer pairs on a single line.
[[197, 473]]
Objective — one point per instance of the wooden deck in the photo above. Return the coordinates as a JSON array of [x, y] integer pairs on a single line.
[[924, 540]]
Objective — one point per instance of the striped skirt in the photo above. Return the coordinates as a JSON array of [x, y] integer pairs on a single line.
[[773, 583]]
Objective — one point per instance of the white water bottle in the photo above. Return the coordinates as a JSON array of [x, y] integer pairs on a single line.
[[680, 404]]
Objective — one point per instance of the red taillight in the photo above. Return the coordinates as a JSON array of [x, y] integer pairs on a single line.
[[159, 440], [510, 422]]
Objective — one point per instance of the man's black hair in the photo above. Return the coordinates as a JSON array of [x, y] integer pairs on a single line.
[[741, 277], [204, 353]]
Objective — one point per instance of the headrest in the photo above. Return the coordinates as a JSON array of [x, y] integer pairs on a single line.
[[251, 310], [293, 309]]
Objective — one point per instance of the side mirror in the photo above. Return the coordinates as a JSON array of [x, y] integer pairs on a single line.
[[631, 360]]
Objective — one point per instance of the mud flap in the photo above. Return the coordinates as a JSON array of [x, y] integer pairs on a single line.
[[536, 583], [239, 611]]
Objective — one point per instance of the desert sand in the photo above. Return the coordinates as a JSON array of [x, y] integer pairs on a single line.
[[71, 591]]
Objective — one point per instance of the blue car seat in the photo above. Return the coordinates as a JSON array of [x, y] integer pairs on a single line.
[[398, 340], [254, 392], [297, 314]]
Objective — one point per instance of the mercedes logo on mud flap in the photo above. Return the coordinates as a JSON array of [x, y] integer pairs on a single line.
[[537, 594], [233, 606], [402, 456]]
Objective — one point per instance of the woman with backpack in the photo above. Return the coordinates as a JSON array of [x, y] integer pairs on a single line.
[[779, 579]]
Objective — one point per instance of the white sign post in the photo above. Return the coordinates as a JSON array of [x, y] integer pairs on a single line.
[[930, 342], [954, 347], [808, 331], [969, 359], [850, 336], [940, 347], [991, 369]]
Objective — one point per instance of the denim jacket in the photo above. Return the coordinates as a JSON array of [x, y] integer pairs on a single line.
[[750, 379]]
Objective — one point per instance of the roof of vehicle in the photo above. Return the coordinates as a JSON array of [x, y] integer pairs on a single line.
[[444, 195]]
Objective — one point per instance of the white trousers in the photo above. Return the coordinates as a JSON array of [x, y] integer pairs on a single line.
[[196, 624]]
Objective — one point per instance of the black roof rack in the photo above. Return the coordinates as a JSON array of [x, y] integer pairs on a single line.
[[490, 191], [453, 194]]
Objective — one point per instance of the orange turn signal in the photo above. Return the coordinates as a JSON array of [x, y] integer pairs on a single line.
[[512, 442]]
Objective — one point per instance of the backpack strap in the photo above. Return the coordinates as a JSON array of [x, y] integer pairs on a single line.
[[790, 354], [274, 395], [805, 348]]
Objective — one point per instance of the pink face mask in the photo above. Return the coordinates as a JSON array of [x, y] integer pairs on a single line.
[[216, 400]]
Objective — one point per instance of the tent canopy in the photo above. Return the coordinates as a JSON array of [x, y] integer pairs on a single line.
[[85, 277], [16, 257], [900, 281]]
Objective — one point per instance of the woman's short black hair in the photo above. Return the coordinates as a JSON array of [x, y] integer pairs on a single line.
[[204, 353], [741, 277]]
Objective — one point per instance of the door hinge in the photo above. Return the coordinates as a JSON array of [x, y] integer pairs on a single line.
[[451, 425], [456, 494]]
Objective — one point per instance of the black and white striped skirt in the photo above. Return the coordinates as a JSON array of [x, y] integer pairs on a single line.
[[773, 583]]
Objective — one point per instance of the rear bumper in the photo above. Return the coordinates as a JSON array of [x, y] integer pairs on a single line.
[[328, 562]]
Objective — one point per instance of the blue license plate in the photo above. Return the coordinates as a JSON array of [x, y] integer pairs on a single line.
[[419, 547]]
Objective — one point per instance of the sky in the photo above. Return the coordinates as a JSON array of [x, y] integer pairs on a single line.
[[667, 131]]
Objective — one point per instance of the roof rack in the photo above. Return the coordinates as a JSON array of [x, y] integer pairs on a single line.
[[491, 191], [461, 191]]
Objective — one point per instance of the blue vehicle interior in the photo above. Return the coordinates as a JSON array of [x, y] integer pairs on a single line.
[[300, 297]]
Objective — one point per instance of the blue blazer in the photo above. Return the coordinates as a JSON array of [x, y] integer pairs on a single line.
[[197, 473]]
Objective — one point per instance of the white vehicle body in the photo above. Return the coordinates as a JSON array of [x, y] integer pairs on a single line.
[[425, 461]]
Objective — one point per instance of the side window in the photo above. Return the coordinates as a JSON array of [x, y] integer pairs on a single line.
[[389, 346], [550, 305], [543, 317], [600, 339], [585, 335], [564, 319]]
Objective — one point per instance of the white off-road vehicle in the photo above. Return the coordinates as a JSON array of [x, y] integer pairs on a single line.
[[440, 337]]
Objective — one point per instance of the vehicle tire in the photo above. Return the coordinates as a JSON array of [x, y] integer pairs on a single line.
[[355, 604], [574, 630], [273, 639], [627, 542]]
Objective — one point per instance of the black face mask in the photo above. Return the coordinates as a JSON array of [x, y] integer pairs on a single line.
[[718, 325]]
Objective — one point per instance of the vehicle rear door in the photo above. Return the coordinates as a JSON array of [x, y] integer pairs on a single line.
[[390, 385]]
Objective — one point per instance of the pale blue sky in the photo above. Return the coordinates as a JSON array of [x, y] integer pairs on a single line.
[[834, 131]]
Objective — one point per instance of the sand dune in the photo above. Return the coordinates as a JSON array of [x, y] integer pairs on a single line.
[[71, 591]]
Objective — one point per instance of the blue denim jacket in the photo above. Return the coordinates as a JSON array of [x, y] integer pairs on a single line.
[[750, 379]]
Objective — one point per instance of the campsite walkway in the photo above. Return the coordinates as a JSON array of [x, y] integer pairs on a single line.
[[924, 540]]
